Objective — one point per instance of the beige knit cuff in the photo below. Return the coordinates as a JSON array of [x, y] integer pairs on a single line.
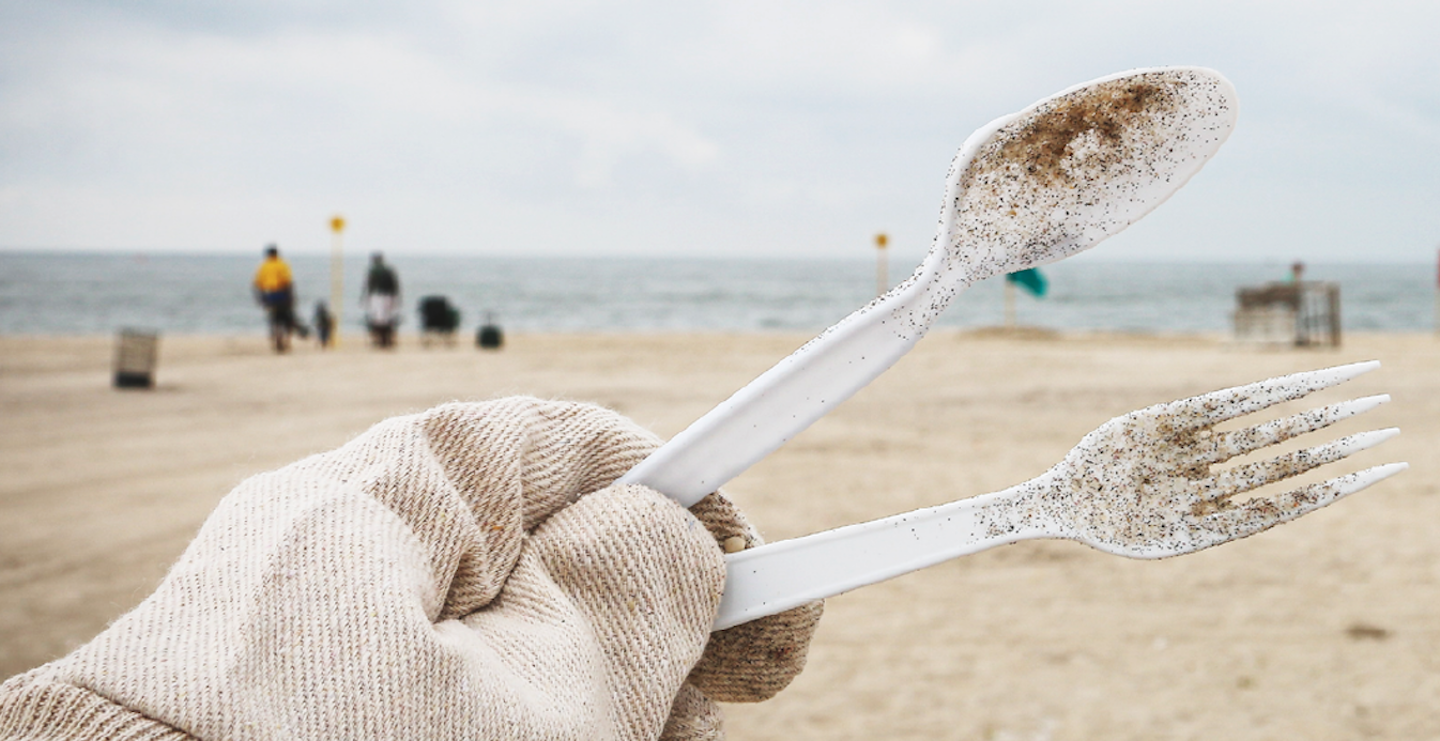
[[32, 707]]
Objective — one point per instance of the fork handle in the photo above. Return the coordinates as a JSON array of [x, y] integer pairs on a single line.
[[776, 577]]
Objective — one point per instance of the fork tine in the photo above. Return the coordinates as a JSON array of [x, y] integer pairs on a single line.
[[1254, 475], [1217, 406], [1261, 514], [1239, 442]]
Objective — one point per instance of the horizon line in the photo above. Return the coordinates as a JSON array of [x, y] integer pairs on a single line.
[[868, 258]]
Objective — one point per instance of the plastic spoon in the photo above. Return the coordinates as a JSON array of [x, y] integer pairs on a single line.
[[1027, 189]]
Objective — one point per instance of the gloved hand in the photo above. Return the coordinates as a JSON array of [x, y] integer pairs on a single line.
[[467, 573]]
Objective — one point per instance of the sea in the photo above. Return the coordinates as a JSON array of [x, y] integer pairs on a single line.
[[78, 293]]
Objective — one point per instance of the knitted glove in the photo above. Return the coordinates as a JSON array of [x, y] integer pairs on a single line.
[[467, 573]]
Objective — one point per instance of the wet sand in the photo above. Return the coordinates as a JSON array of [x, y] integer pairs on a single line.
[[1326, 628]]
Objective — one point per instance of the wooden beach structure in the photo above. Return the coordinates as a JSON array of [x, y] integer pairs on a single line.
[[1298, 313]]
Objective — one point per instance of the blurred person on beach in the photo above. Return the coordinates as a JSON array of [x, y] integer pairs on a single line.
[[275, 291], [381, 301], [467, 572], [324, 324]]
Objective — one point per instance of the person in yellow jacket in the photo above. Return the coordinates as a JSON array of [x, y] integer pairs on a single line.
[[275, 290]]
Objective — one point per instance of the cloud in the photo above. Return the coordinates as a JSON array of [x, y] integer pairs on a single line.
[[743, 127]]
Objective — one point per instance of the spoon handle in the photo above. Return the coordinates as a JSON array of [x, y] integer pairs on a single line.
[[825, 371], [788, 398], [778, 576]]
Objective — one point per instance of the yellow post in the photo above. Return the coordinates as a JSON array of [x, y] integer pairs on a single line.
[[337, 276], [882, 273]]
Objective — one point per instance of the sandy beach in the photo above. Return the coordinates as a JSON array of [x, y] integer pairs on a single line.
[[1325, 628]]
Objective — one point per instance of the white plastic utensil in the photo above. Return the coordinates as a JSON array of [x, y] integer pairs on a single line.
[[1140, 485], [1025, 190]]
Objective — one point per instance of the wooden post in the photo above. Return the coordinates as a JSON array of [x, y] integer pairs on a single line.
[[337, 277], [882, 272], [1334, 298], [1009, 305]]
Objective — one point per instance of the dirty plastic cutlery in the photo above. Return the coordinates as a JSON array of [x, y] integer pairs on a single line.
[[1025, 190], [1140, 485]]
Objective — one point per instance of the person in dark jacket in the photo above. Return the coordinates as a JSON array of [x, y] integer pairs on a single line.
[[381, 301]]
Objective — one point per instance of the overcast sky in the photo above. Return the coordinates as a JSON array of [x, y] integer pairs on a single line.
[[657, 127]]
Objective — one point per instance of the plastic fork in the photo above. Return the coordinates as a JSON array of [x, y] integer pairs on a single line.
[[1142, 485]]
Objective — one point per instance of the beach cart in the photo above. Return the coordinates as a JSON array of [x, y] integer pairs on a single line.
[[438, 320]]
